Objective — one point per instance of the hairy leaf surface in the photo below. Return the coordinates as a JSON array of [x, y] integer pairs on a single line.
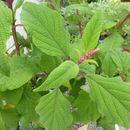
[[122, 61], [86, 109], [47, 29], [92, 32], [27, 104], [22, 70], [54, 111], [5, 31], [66, 71], [12, 96], [10, 118], [112, 97], [2, 124], [113, 41]]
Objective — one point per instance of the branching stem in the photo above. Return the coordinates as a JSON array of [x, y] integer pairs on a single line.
[[15, 34], [124, 20]]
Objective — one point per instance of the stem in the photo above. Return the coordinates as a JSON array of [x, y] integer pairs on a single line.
[[23, 42], [33, 82], [81, 74], [42, 75], [9, 3], [124, 20], [15, 34], [79, 22], [17, 25], [51, 5], [86, 56], [80, 28]]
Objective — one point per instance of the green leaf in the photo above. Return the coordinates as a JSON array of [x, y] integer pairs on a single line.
[[108, 66], [117, 61], [75, 54], [66, 71], [127, 45], [47, 29], [76, 50], [108, 21], [107, 123], [87, 68], [27, 104], [113, 41], [10, 118], [2, 124], [75, 86], [5, 31], [43, 60], [112, 98], [92, 32], [54, 111], [83, 9], [56, 3], [22, 70], [18, 4], [12, 97], [4, 64], [121, 60], [85, 109], [46, 60]]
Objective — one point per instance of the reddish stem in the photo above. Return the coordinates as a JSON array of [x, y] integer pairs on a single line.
[[80, 28], [124, 20], [9, 3], [15, 34], [76, 12], [17, 25], [81, 74], [125, 49], [79, 25], [51, 5], [88, 55]]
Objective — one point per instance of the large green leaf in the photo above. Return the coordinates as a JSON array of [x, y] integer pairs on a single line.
[[66, 71], [92, 32], [12, 96], [122, 61], [76, 86], [112, 98], [2, 124], [108, 66], [111, 42], [117, 61], [47, 29], [86, 109], [5, 31], [107, 123], [22, 70], [4, 64], [54, 111], [10, 118], [86, 68], [43, 60], [27, 104], [46, 60]]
